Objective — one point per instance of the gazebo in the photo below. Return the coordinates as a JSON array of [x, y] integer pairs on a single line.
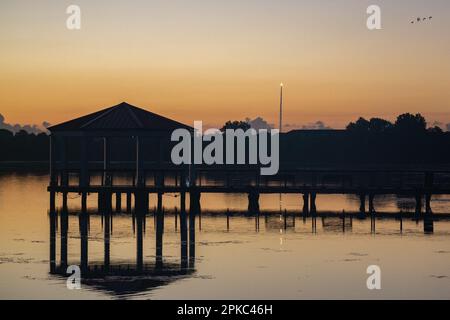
[[130, 128]]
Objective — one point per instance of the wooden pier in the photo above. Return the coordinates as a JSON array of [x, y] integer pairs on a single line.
[[137, 196], [145, 168]]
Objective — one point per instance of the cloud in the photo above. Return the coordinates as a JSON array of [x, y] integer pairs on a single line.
[[28, 128], [259, 123], [438, 124], [448, 126], [318, 125]]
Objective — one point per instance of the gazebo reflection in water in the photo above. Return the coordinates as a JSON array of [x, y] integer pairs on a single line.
[[114, 277]]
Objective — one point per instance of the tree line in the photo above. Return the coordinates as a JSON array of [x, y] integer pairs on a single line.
[[376, 141]]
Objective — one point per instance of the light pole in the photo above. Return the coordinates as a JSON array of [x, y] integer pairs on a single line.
[[281, 107], [281, 128]]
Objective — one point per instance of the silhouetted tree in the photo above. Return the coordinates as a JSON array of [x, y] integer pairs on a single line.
[[411, 124], [377, 125], [22, 133], [5, 133], [236, 125], [435, 130], [360, 126]]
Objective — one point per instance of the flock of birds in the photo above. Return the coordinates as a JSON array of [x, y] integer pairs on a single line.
[[417, 20]]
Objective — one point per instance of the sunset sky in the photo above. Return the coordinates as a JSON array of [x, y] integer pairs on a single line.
[[216, 60]]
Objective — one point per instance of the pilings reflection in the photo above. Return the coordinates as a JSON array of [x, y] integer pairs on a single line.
[[91, 270], [186, 229]]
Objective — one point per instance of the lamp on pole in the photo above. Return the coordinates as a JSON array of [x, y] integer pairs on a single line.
[[281, 107]]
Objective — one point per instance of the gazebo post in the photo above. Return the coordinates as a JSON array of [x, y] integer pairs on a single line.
[[52, 155], [160, 173], [83, 173], [53, 179], [192, 171], [63, 160], [63, 168], [106, 160], [84, 163], [105, 196], [139, 163], [161, 151]]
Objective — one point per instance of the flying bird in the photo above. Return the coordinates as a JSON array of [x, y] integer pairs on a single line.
[[418, 19]]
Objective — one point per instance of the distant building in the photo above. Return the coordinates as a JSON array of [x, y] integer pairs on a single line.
[[317, 133]]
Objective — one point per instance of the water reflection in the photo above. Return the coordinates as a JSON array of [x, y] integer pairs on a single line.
[[233, 259], [141, 276], [122, 278]]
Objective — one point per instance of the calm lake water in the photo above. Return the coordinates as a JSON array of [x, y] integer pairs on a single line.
[[234, 258]]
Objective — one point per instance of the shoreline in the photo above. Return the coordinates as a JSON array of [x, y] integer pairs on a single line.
[[43, 166], [34, 166]]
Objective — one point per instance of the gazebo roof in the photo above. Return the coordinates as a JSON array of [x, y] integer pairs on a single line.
[[122, 117]]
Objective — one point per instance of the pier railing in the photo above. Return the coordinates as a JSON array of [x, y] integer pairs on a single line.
[[320, 179], [366, 184]]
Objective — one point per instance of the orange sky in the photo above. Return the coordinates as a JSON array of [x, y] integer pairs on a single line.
[[221, 60]]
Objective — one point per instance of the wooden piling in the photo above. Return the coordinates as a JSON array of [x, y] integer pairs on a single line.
[[362, 203], [418, 211], [118, 202], [107, 241], [64, 221], [139, 240], [305, 204], [84, 201], [428, 204], [253, 201], [183, 237], [64, 201], [52, 201], [53, 222], [371, 205], [313, 208], [128, 202]]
